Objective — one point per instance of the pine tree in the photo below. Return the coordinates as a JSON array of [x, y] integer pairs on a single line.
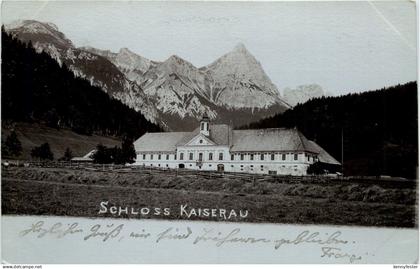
[[102, 155], [68, 155], [42, 152], [12, 146], [127, 151]]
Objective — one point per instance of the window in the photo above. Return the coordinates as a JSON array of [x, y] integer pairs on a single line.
[[231, 166], [167, 156], [220, 156], [210, 156], [159, 156], [232, 157], [144, 156], [242, 157], [175, 156], [200, 157], [202, 126], [309, 158], [283, 157], [167, 165], [272, 157], [251, 157], [295, 157], [181, 156], [151, 156], [191, 156], [201, 141], [262, 167], [159, 165], [262, 157]]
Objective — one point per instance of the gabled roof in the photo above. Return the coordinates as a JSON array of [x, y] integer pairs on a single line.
[[159, 141], [90, 154], [323, 156], [275, 139], [221, 134], [87, 157]]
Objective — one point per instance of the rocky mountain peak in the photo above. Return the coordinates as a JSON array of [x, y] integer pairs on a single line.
[[239, 61], [175, 58], [303, 93], [240, 47], [128, 52], [176, 62], [26, 29]]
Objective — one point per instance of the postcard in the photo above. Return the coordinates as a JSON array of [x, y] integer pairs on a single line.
[[209, 132]]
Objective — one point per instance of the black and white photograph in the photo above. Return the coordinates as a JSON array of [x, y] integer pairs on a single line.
[[204, 130]]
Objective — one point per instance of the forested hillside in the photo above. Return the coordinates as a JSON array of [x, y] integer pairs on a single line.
[[36, 89], [379, 129]]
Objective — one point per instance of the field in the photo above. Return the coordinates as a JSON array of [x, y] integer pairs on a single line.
[[78, 191]]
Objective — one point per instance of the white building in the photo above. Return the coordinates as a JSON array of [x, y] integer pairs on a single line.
[[219, 147]]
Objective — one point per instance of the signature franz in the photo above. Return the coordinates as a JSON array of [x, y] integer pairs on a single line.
[[331, 245]]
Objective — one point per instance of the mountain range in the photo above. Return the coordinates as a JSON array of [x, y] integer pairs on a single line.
[[173, 93]]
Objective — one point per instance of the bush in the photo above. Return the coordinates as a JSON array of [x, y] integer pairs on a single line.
[[68, 155], [12, 145], [116, 155], [42, 152]]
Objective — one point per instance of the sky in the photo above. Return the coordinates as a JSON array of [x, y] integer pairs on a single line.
[[342, 46]]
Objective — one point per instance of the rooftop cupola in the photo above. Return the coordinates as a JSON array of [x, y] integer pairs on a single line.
[[205, 125]]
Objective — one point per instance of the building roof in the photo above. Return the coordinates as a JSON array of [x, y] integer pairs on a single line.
[[159, 141], [221, 134], [324, 156], [88, 157], [276, 139]]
